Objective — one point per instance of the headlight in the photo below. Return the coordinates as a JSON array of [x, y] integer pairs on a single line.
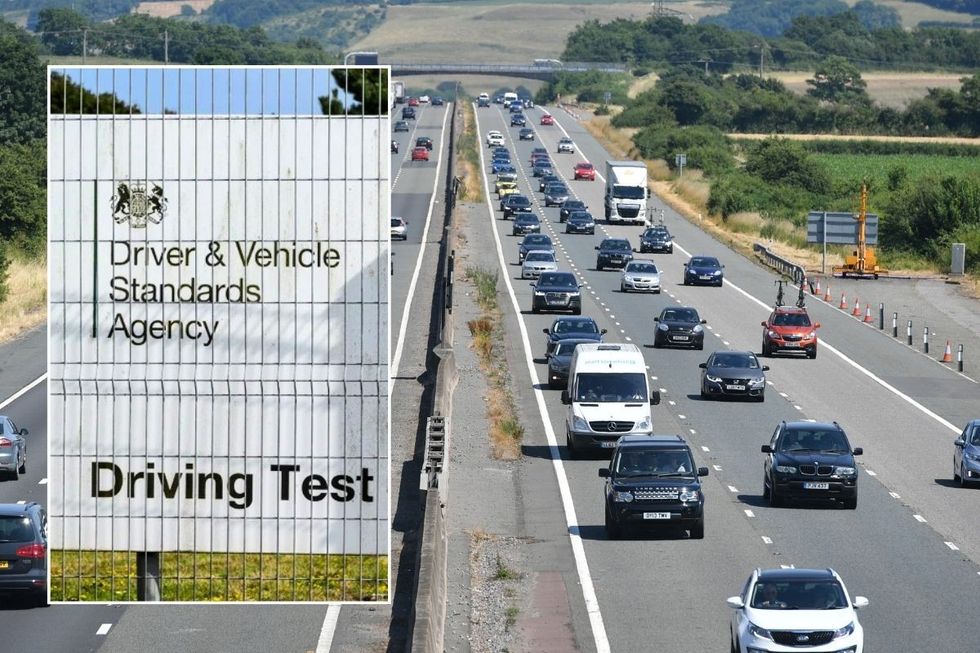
[[845, 631], [663, 327], [667, 242], [691, 271], [579, 423], [697, 329], [844, 471], [716, 272], [643, 424], [689, 495], [772, 334], [759, 381], [785, 469], [713, 379], [972, 456], [810, 336], [762, 633], [538, 293], [626, 497]]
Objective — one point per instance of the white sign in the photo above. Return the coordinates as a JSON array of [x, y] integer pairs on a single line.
[[218, 340]]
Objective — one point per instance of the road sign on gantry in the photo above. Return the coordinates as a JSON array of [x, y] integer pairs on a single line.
[[218, 309]]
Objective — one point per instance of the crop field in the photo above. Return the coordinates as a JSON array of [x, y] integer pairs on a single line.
[[851, 169]]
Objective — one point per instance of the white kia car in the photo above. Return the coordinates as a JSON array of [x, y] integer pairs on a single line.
[[781, 610]]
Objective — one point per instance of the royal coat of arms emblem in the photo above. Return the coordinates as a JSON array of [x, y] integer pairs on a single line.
[[132, 203]]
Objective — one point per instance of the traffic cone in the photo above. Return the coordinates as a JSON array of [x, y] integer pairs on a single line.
[[816, 291], [843, 302], [947, 355], [857, 308], [826, 296], [867, 314]]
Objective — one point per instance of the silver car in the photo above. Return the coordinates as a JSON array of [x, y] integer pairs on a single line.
[[536, 262], [399, 228], [566, 145], [13, 448], [640, 275]]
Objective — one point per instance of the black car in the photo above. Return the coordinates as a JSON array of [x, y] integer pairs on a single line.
[[423, 141], [23, 551], [401, 126], [656, 239], [571, 327], [810, 460], [438, 101], [679, 325], [555, 194], [733, 374], [526, 223], [580, 222], [547, 179], [652, 481], [542, 168], [703, 270], [534, 242], [613, 253], [560, 359], [526, 134], [568, 206], [518, 120], [408, 113], [512, 204], [557, 291]]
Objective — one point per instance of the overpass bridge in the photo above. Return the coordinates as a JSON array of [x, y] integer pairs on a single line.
[[529, 71]]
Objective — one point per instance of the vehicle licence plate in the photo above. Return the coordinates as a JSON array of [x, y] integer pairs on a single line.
[[735, 387], [682, 338], [792, 344], [607, 444], [816, 486], [656, 515], [705, 277], [4, 564]]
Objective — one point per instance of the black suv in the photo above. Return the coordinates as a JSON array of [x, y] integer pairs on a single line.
[[568, 206], [23, 550], [423, 141], [656, 239], [512, 204], [810, 460], [408, 113], [651, 480], [613, 253], [557, 291]]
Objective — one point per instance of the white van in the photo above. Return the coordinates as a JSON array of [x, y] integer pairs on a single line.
[[509, 97], [608, 396]]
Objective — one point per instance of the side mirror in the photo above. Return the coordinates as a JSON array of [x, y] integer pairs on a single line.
[[534, 285], [860, 602], [959, 442], [602, 332], [765, 368], [565, 398], [703, 366], [545, 331], [685, 265], [655, 398], [816, 326], [603, 472], [22, 431], [762, 324], [735, 602], [597, 248], [656, 319], [702, 471], [766, 448], [704, 321], [857, 451]]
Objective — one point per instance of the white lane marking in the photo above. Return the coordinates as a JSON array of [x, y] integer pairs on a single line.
[[403, 327], [578, 150], [20, 393], [870, 473], [768, 382], [571, 519], [671, 402], [733, 489], [895, 495], [787, 566], [919, 518], [328, 629], [103, 629], [726, 343], [717, 468], [21, 502], [749, 513], [703, 448], [43, 481], [679, 416], [797, 407], [692, 431], [766, 540], [952, 547], [783, 395]]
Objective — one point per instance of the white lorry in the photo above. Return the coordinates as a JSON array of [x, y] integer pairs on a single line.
[[483, 100], [626, 192], [608, 396]]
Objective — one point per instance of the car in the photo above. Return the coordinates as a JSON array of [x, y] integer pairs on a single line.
[[556, 291], [408, 113], [559, 360], [581, 328], [399, 228], [790, 609], [543, 181], [526, 134], [580, 222], [420, 154], [966, 455], [423, 99], [537, 262], [652, 481], [500, 164], [505, 188], [438, 101], [423, 141], [640, 275], [527, 102], [613, 252], [413, 101], [566, 145], [538, 151], [555, 194], [679, 325], [584, 170], [547, 119], [703, 270], [495, 139], [515, 204], [542, 168], [570, 205], [789, 329], [810, 460], [515, 106], [507, 170], [518, 120], [525, 223], [394, 147], [498, 99], [733, 374], [656, 239], [401, 126], [534, 242], [23, 551], [13, 449], [500, 151]]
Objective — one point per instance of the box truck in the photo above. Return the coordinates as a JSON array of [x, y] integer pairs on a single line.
[[626, 192]]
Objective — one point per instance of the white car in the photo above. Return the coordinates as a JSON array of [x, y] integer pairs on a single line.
[[423, 99], [640, 275], [495, 139], [566, 145], [399, 228], [796, 609], [536, 262]]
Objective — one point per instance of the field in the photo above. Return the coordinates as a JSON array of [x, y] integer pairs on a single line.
[[850, 169], [913, 13], [890, 89], [167, 8]]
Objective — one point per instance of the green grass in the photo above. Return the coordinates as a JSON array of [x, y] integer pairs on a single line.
[[486, 287], [851, 169], [103, 576]]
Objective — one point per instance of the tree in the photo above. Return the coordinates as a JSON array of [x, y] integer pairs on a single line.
[[62, 30], [22, 87], [367, 88], [187, 11], [23, 176], [875, 17], [784, 162], [838, 80]]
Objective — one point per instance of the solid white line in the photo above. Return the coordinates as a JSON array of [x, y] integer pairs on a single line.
[[403, 327], [571, 520], [328, 629], [20, 393], [103, 629]]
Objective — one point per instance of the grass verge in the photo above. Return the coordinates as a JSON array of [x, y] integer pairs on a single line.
[[26, 306], [468, 162], [506, 432], [189, 576]]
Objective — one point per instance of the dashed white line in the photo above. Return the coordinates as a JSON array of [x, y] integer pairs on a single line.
[[703, 448], [717, 468], [798, 407], [766, 540], [870, 473], [748, 513], [733, 489], [43, 481], [679, 416], [783, 395], [694, 432], [21, 502], [895, 495], [726, 343], [103, 629], [952, 547], [325, 641], [671, 402], [919, 518]]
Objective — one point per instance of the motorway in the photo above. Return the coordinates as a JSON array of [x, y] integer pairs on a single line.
[[912, 546]]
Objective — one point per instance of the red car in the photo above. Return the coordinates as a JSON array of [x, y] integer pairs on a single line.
[[547, 119], [585, 170], [420, 154], [413, 101], [789, 329]]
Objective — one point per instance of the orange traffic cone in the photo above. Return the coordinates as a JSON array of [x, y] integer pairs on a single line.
[[947, 355], [826, 296], [857, 308], [867, 314], [816, 291], [843, 302]]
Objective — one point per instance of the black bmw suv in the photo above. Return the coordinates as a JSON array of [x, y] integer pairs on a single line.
[[613, 253], [656, 239], [652, 481], [810, 460], [23, 551]]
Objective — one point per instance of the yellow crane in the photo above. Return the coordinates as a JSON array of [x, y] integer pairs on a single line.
[[863, 262]]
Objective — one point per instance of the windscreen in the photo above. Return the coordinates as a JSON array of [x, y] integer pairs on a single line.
[[654, 462], [607, 387], [799, 595], [803, 440], [629, 192]]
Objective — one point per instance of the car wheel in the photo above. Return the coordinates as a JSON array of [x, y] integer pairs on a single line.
[[598, 266], [686, 282], [41, 599], [765, 490], [14, 474], [775, 500], [720, 284], [23, 466], [732, 646], [700, 345], [765, 349], [534, 308], [697, 531], [572, 451], [613, 530], [670, 251], [577, 310], [956, 474], [962, 479], [704, 395], [592, 232], [622, 287], [851, 503], [761, 397], [811, 354]]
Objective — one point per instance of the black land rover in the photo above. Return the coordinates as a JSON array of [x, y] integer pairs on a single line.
[[652, 481]]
